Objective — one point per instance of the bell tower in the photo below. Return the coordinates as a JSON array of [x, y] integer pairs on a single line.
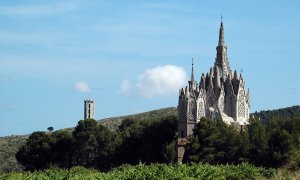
[[89, 109]]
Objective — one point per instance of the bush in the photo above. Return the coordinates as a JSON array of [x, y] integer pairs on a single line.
[[154, 171]]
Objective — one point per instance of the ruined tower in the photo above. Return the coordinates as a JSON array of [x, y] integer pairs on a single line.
[[89, 109]]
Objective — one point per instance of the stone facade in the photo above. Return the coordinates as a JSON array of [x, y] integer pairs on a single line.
[[221, 94], [89, 109]]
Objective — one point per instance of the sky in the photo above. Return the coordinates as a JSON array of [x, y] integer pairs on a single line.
[[133, 56]]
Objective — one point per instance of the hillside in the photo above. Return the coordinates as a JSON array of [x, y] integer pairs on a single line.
[[279, 113], [9, 145], [114, 122]]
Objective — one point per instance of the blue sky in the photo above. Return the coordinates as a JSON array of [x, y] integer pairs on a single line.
[[131, 56]]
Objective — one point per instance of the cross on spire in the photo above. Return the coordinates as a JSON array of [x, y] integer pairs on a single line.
[[192, 62], [221, 33], [221, 59], [192, 76]]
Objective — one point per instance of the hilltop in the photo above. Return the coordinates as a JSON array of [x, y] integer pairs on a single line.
[[267, 115], [9, 145], [114, 122]]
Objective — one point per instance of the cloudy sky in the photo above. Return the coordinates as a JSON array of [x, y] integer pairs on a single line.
[[133, 56]]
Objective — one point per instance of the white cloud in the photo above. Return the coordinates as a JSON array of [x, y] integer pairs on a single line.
[[158, 81], [82, 87], [125, 87]]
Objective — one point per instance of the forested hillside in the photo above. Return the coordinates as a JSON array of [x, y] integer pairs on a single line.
[[279, 113], [10, 145]]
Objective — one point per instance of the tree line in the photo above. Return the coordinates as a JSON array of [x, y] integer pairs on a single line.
[[272, 144], [93, 145]]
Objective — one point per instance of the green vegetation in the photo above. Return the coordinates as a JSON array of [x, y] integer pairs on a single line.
[[274, 144], [114, 122], [142, 134], [8, 147], [282, 113], [154, 171], [94, 146]]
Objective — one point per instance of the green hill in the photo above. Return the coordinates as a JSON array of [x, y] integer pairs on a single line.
[[9, 145], [114, 122], [267, 115]]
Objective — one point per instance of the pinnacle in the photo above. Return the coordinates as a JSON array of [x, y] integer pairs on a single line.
[[221, 35]]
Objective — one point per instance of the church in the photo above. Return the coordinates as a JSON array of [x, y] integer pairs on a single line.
[[220, 95]]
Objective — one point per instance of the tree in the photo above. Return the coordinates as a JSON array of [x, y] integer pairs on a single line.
[[215, 142], [107, 142], [50, 129], [203, 149], [156, 137], [85, 142], [170, 152], [280, 144], [147, 141], [128, 151], [258, 142], [35, 154], [62, 148]]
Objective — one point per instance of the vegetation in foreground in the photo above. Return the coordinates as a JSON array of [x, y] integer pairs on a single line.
[[154, 171]]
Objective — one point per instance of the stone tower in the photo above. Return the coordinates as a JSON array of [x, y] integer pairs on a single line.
[[89, 109], [220, 95]]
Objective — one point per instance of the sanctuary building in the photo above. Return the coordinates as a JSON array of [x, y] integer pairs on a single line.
[[221, 95]]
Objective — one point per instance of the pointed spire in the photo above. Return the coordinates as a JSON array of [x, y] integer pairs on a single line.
[[221, 34], [236, 75], [221, 59], [241, 78], [181, 92], [230, 74], [192, 82], [211, 72], [217, 77], [187, 91], [192, 75], [202, 81]]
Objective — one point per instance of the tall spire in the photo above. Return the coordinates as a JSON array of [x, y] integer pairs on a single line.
[[192, 75], [221, 34], [221, 59], [192, 82]]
